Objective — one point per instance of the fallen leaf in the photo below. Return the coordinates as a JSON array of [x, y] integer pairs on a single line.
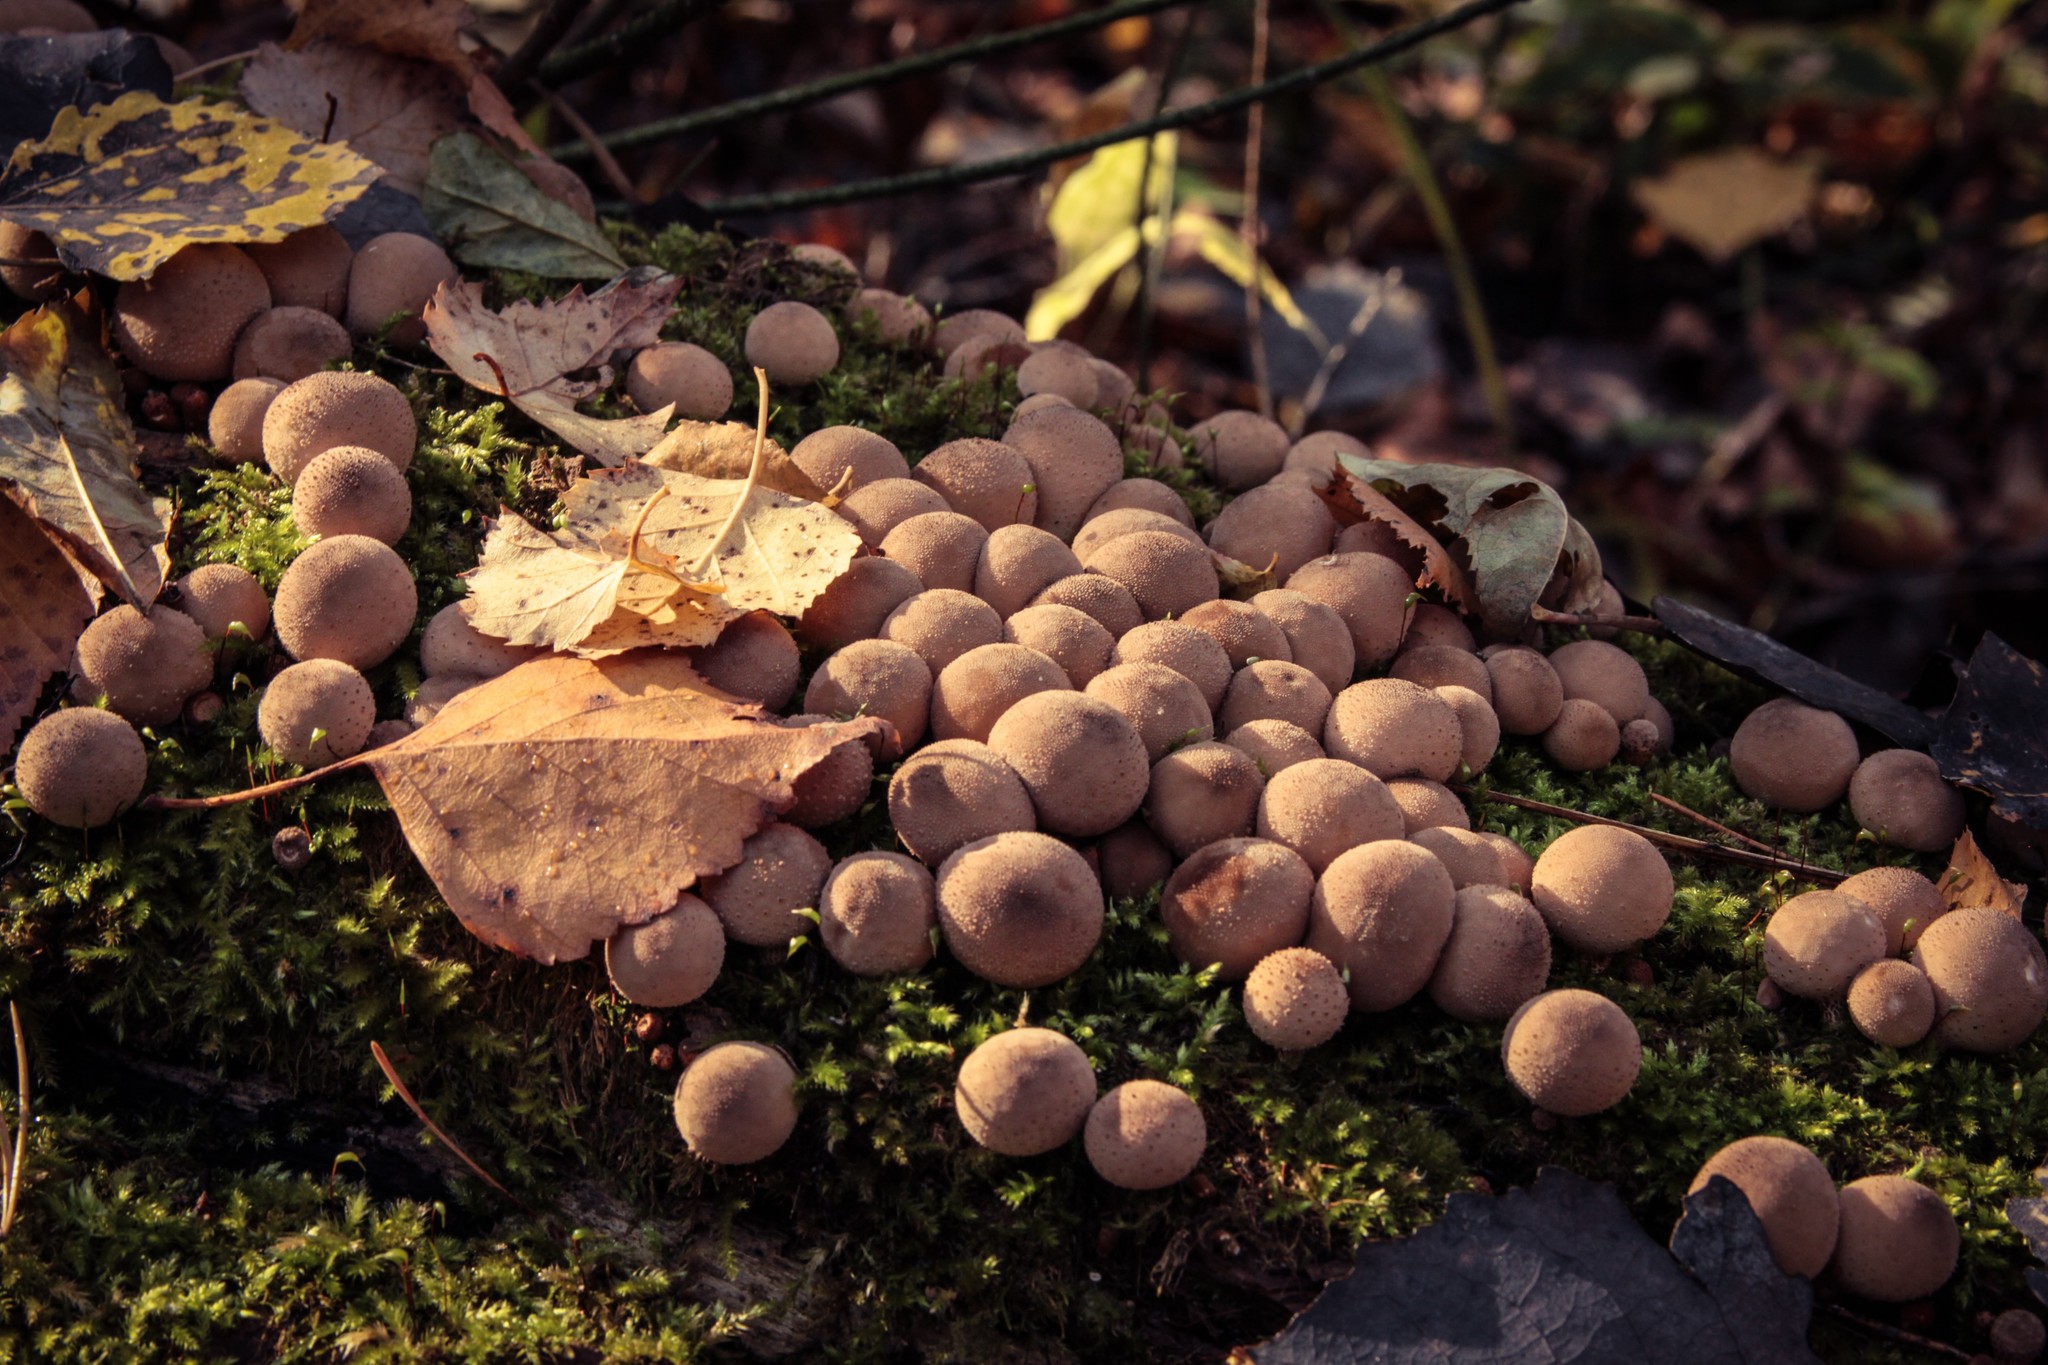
[[526, 353], [1724, 201], [725, 450], [1970, 882], [67, 451], [43, 607], [490, 214], [1992, 739], [2029, 1218], [125, 186], [389, 109], [1352, 500], [72, 70]]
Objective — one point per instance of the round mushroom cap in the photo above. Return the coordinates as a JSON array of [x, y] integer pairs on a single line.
[[1192, 653], [1427, 805], [433, 694], [1109, 602], [1271, 689], [1275, 745], [1527, 693], [1368, 592], [1478, 727], [39, 282], [1295, 999], [875, 509], [1133, 861], [1233, 902], [1202, 793], [1145, 1135], [289, 344], [1099, 531], [1469, 858], [1323, 806], [336, 408], [1316, 453], [1393, 728], [1816, 943], [1378, 538], [1247, 635], [1083, 763], [1317, 637], [1904, 900], [1382, 912], [351, 491], [954, 329], [1515, 863], [2017, 1336], [1990, 981], [1114, 389], [952, 793], [1019, 909], [1163, 707], [875, 678], [1061, 372], [1638, 743], [1166, 574], [1437, 626], [1277, 526], [876, 914], [1497, 957], [941, 548], [1069, 637], [1602, 889], [1900, 796], [1241, 450], [941, 624], [1792, 756], [1595, 671], [316, 712], [1017, 563], [898, 319], [1155, 441], [857, 602], [146, 666], [1572, 1052], [826, 257], [181, 322], [1660, 717], [688, 376], [81, 767], [1141, 494], [392, 277], [220, 597], [1791, 1193], [792, 342], [670, 960], [451, 646], [737, 1103], [754, 658], [1892, 1003], [1897, 1240], [1074, 459], [831, 454], [1435, 666], [348, 598], [1024, 1092], [308, 269], [974, 691], [1584, 736], [235, 423], [833, 788], [780, 872], [982, 479]]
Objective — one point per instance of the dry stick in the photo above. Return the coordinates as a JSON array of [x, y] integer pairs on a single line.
[[554, 25], [1689, 813], [607, 164], [268, 789], [391, 1074], [1898, 1334], [1152, 257], [1644, 625], [10, 1205], [1248, 226], [192, 73], [1333, 359], [1771, 861], [607, 48]]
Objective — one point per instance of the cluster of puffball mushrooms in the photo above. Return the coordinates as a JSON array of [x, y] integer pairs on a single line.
[[1078, 711]]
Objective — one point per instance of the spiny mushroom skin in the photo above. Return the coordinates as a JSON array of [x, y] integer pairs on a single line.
[[780, 871], [1074, 640], [1246, 634], [1435, 666], [1241, 450], [670, 960], [1892, 1003], [145, 665], [351, 491], [433, 694], [974, 691], [1109, 602], [1202, 793], [826, 257], [1900, 796], [1897, 1241], [1638, 743], [1469, 859], [831, 454], [736, 1104], [857, 602], [316, 712], [391, 280], [1074, 459], [1018, 563], [1478, 727], [793, 342], [978, 356], [1815, 943], [1515, 863], [1393, 728], [1098, 532], [1497, 957], [336, 408], [1295, 999], [941, 548], [1235, 901], [1156, 443], [1595, 671], [1324, 806], [1149, 495], [81, 767], [1275, 745], [1019, 909], [1368, 592], [1082, 762], [221, 596], [451, 646], [833, 788], [1145, 1135], [940, 624], [1438, 627], [1427, 805], [1162, 706], [235, 423], [957, 328], [1667, 731], [982, 479], [1273, 689], [1527, 693], [1572, 1052], [1904, 900], [1990, 981], [876, 509], [875, 678], [2017, 1337], [754, 657], [1316, 453], [1167, 575], [1279, 525], [1382, 912], [951, 793], [688, 376], [181, 322], [1133, 861], [1192, 653], [349, 598], [1602, 889], [1114, 390], [1058, 371], [1584, 736], [1024, 1092], [288, 344], [898, 320], [1791, 1193], [1792, 756], [36, 283], [308, 269], [876, 914], [1317, 637], [1378, 538]]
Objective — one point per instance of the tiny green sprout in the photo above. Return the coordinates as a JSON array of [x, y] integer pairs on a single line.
[[933, 935], [807, 912], [1412, 599], [797, 945], [237, 628], [15, 803], [1251, 659], [1030, 488], [240, 683], [319, 733]]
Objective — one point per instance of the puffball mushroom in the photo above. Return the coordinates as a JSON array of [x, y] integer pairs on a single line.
[[1469, 859], [875, 678], [1433, 625], [670, 960], [1478, 727], [451, 646], [1272, 689], [1527, 693], [1990, 981], [1024, 1091], [1167, 575], [1792, 756], [2017, 1337], [144, 665], [1368, 592], [1233, 902], [235, 422], [1904, 900], [941, 548], [941, 624], [856, 603], [81, 767], [1434, 666], [1595, 671], [315, 712], [39, 282], [1099, 531], [288, 344], [1278, 526], [1133, 861], [348, 598], [1382, 912], [390, 282], [956, 328], [754, 658], [433, 694], [1816, 942], [1145, 1135], [1316, 453], [737, 1103], [1900, 796], [1572, 1052], [1192, 653], [1791, 1193], [974, 691], [1202, 793], [1515, 863], [181, 322], [1020, 909], [1393, 728], [780, 872], [1246, 634], [1074, 640], [951, 793], [793, 343], [688, 376], [1081, 760], [1067, 373], [985, 480], [1275, 745], [898, 320], [1892, 1003], [1897, 1240], [351, 491], [336, 408], [1148, 495], [833, 788], [1073, 459], [1323, 806], [877, 912], [1017, 563], [1241, 450], [1163, 707], [1317, 637], [308, 269], [220, 597], [876, 509], [1602, 889], [1427, 805], [1497, 957], [1584, 736], [1294, 999], [1109, 602], [832, 454]]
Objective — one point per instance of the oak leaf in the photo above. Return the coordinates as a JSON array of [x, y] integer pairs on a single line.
[[43, 608], [389, 109]]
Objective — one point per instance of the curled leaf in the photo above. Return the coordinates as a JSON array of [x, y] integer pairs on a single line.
[[725, 450], [489, 213], [43, 608], [1992, 739], [1971, 882], [389, 109]]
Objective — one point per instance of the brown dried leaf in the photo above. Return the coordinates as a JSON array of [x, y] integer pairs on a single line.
[[389, 109], [1352, 500], [725, 450], [1971, 881], [1724, 201], [43, 607]]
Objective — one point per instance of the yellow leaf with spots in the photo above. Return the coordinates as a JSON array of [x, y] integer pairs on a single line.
[[125, 186]]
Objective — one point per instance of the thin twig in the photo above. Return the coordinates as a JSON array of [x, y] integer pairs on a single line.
[[1644, 625], [1333, 359], [1153, 254], [553, 25], [268, 789], [11, 1204], [609, 48], [1248, 225], [607, 164], [193, 73], [397, 1084], [1689, 813], [1770, 861], [1898, 1334]]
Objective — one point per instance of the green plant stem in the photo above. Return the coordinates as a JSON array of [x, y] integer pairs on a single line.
[[584, 58], [950, 177]]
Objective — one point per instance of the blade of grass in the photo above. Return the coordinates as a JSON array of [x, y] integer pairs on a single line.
[[405, 1094], [11, 1204]]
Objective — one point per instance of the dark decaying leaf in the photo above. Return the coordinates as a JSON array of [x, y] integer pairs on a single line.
[[491, 215], [1757, 656], [43, 607], [1994, 738], [72, 70], [2029, 1218], [1560, 1273], [389, 109], [1352, 500]]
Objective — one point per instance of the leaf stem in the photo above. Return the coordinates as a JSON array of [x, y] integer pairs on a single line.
[[223, 799], [398, 1084], [760, 462], [1689, 813], [1646, 625]]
